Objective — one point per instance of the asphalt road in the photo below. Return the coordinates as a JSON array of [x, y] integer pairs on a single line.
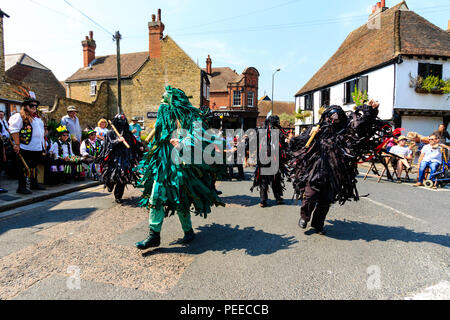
[[394, 244]]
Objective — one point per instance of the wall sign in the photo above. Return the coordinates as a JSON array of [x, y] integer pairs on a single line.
[[152, 115]]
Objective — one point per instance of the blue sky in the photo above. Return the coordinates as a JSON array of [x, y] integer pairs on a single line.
[[297, 36]]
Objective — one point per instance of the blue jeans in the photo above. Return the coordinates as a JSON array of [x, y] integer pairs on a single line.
[[427, 164]]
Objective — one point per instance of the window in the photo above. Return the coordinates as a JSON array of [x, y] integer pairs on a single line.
[[429, 69], [325, 98], [309, 101], [362, 84], [93, 88], [250, 99], [236, 98]]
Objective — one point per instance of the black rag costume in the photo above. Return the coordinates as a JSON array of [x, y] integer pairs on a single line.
[[276, 181], [117, 161], [325, 173]]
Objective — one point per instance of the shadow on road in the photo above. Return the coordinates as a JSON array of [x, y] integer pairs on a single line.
[[352, 231], [224, 238], [43, 215]]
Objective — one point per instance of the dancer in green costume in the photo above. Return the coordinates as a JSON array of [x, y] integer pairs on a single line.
[[172, 180]]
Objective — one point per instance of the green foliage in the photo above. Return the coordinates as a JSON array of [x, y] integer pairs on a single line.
[[322, 110], [433, 84], [359, 97], [303, 115], [52, 124], [287, 120]]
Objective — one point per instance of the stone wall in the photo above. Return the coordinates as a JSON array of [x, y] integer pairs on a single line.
[[89, 113]]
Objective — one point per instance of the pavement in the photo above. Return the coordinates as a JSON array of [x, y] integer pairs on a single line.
[[393, 244], [11, 201]]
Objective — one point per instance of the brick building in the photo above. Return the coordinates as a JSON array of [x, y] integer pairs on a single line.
[[9, 99], [34, 76], [233, 97], [144, 76], [279, 108]]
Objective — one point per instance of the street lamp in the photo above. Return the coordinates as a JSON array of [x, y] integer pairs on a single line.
[[273, 78]]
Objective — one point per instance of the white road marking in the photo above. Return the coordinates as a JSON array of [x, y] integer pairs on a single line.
[[395, 210], [440, 291]]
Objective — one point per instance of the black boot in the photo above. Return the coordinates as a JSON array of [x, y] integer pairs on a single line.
[[188, 237], [36, 186], [22, 188], [153, 241]]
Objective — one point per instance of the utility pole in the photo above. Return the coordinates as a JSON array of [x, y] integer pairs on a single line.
[[273, 78], [117, 37]]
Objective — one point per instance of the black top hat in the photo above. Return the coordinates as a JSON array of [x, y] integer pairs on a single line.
[[29, 101]]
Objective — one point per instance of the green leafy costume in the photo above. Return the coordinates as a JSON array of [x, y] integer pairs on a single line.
[[171, 183]]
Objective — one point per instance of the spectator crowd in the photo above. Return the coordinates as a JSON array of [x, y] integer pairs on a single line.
[[37, 152]]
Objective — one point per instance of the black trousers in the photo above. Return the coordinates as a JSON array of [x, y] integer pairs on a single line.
[[316, 204], [32, 159], [274, 183], [240, 169], [119, 189]]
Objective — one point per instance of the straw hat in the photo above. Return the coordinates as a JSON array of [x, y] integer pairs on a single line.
[[412, 135], [72, 108], [402, 138]]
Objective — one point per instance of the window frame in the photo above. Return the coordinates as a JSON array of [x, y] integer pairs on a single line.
[[429, 69], [309, 102], [237, 92], [93, 88], [250, 98]]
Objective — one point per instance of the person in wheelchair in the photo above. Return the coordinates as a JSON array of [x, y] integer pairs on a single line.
[[404, 154], [431, 157]]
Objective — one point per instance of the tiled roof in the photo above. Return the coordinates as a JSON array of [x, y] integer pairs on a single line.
[[22, 58], [106, 67], [221, 77], [402, 32], [279, 107]]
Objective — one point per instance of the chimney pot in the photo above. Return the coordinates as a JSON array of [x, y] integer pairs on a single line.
[[159, 14], [448, 28], [89, 47], [209, 65], [378, 5], [383, 3], [153, 18]]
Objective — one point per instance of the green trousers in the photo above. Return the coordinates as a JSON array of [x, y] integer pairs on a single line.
[[156, 220]]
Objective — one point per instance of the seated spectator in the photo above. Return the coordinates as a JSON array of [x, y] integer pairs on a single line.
[[404, 152], [431, 157], [419, 143], [90, 150], [102, 129], [69, 165]]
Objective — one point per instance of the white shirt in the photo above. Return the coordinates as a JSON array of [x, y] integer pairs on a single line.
[[65, 150], [401, 151], [83, 151], [5, 128], [432, 155], [101, 132], [37, 139], [73, 126]]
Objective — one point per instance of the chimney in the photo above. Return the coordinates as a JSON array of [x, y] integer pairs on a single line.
[[209, 65], [2, 47], [156, 34], [378, 8], [88, 49]]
